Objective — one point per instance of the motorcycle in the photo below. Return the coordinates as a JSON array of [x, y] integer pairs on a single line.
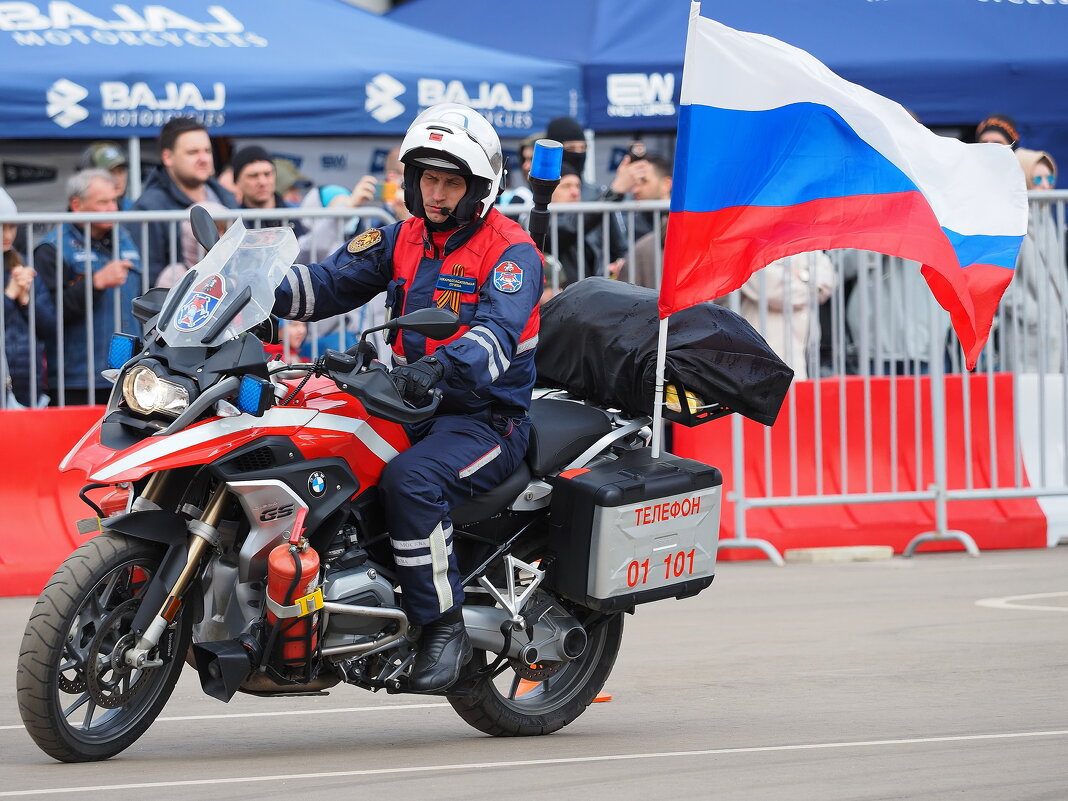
[[239, 529]]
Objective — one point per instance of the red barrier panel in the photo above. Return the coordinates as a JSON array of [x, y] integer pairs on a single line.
[[40, 503], [1015, 523]]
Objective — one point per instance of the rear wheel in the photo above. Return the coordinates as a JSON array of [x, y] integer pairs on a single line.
[[79, 700], [524, 700]]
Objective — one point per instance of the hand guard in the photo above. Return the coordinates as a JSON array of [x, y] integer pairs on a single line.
[[416, 381]]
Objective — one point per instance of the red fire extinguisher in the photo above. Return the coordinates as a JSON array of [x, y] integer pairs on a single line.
[[292, 581]]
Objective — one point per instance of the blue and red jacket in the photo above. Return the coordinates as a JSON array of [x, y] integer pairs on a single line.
[[488, 272]]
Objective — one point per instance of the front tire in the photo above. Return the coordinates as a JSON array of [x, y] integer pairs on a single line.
[[78, 699], [510, 705]]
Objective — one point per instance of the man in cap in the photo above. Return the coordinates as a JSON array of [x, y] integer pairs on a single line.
[[455, 252], [109, 156], [289, 181]]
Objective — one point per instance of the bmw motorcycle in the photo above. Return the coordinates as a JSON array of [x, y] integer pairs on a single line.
[[238, 530]]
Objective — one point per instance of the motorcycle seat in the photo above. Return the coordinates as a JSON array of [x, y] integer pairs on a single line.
[[560, 430]]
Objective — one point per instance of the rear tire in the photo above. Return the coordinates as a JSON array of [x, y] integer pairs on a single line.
[[78, 699], [506, 707]]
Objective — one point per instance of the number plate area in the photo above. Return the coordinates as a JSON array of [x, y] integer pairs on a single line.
[[654, 544]]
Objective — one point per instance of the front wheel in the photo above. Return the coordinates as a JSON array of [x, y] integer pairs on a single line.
[[526, 700], [79, 700]]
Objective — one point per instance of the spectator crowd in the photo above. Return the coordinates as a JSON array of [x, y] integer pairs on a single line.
[[62, 305]]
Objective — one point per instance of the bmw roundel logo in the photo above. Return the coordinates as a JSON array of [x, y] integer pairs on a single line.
[[317, 483]]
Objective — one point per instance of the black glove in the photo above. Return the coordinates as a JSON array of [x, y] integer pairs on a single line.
[[416, 381]]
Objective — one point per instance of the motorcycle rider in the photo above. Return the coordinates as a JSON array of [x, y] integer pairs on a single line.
[[457, 252]]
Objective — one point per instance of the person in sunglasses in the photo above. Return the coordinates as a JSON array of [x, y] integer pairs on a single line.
[[1035, 336]]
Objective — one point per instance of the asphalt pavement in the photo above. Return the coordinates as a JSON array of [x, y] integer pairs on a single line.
[[942, 676]]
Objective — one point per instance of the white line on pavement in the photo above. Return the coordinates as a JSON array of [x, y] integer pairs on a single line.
[[525, 763], [1013, 602], [383, 708]]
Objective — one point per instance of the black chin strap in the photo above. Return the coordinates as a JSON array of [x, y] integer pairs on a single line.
[[450, 224]]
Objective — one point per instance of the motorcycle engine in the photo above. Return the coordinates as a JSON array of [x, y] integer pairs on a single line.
[[362, 585]]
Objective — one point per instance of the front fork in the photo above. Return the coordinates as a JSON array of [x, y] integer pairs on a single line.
[[203, 534]]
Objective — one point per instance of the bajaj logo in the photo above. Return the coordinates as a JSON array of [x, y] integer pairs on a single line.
[[637, 94], [63, 98], [382, 94]]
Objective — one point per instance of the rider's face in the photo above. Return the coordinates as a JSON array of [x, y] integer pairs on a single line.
[[442, 192]]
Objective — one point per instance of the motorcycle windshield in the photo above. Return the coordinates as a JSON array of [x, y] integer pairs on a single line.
[[231, 289]]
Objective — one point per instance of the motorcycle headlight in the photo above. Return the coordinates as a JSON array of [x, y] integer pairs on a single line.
[[145, 393]]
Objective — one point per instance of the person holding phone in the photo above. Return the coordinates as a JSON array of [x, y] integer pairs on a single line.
[[384, 192]]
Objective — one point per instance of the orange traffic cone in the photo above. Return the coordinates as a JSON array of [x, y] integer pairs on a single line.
[[525, 686]]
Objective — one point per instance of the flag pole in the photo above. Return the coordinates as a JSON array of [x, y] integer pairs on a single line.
[[658, 391]]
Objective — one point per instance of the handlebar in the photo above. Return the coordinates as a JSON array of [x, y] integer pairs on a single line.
[[369, 382]]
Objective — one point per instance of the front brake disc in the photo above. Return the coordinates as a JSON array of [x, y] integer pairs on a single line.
[[110, 681]]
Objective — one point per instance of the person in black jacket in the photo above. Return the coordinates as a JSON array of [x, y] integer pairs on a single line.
[[185, 178]]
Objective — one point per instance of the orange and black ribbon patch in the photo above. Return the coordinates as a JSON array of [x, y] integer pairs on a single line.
[[453, 285]]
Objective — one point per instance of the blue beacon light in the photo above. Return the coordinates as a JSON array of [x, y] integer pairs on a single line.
[[547, 160], [544, 178]]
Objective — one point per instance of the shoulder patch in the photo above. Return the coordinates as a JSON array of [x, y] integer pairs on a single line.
[[508, 277], [364, 241]]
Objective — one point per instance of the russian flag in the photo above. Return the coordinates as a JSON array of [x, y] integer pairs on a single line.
[[777, 155]]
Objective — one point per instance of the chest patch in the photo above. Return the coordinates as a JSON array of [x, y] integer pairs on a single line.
[[464, 284], [508, 277]]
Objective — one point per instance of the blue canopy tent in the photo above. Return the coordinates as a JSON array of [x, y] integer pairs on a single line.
[[952, 62], [96, 69]]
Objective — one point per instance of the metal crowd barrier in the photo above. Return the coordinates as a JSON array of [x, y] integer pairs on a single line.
[[879, 320], [890, 325], [328, 229]]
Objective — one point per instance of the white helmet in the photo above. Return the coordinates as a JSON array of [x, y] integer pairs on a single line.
[[453, 138]]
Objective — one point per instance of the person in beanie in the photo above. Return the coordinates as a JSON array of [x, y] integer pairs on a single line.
[[999, 128], [184, 178], [23, 352], [568, 132], [458, 252], [254, 176]]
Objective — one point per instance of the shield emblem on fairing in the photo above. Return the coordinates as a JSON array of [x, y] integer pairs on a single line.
[[199, 303]]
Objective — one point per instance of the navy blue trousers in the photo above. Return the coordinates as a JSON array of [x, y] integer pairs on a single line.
[[452, 459]]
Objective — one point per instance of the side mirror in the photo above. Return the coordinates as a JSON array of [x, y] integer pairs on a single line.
[[148, 305], [204, 229], [432, 323], [267, 331]]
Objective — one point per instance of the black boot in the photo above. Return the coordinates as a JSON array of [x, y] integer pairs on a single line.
[[444, 649]]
